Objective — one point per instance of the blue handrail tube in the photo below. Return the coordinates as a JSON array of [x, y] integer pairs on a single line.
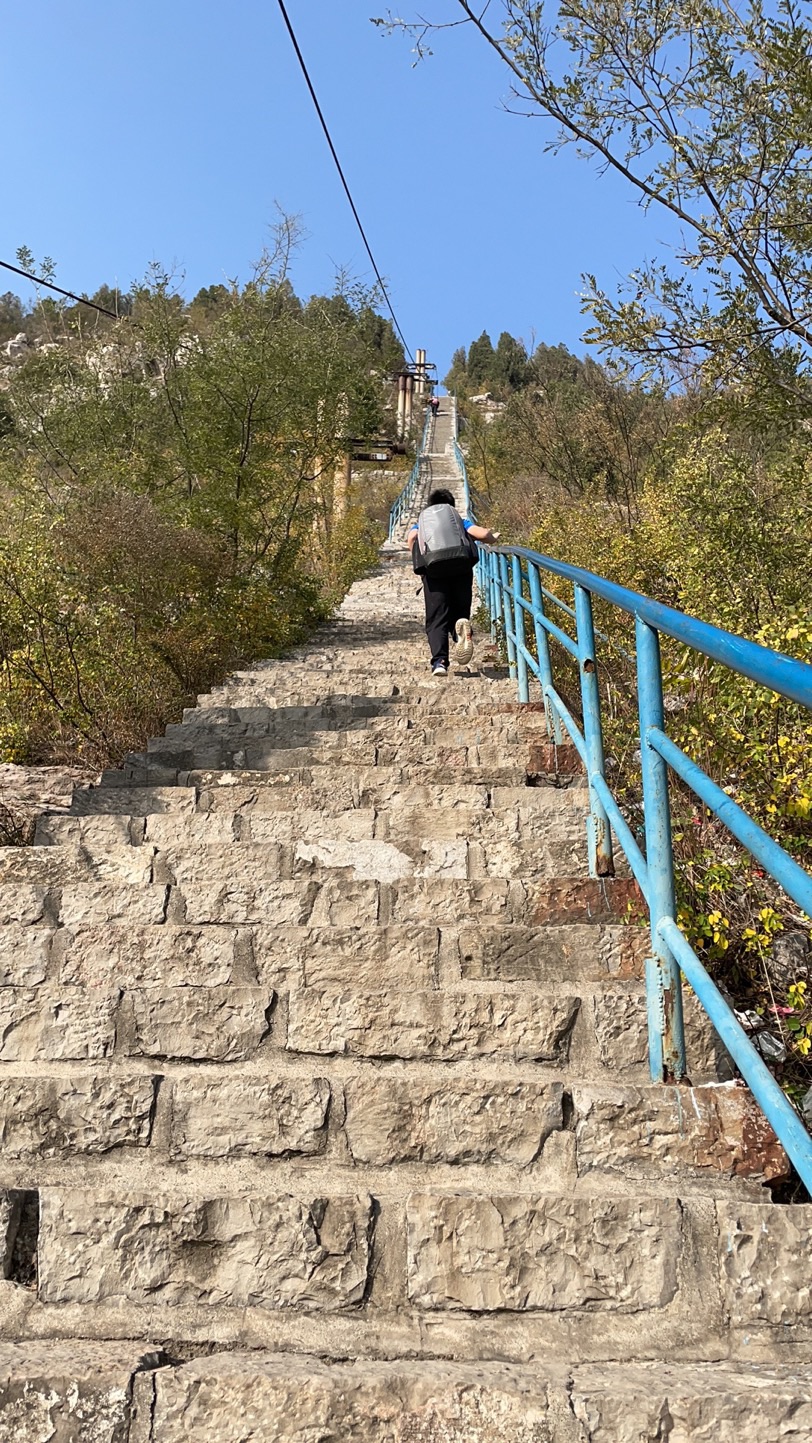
[[509, 572]]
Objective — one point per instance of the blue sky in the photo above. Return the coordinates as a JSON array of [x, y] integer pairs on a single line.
[[170, 131]]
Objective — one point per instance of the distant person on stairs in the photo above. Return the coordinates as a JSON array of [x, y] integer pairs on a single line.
[[444, 554], [435, 405]]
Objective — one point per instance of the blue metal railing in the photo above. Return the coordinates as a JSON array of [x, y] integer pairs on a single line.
[[511, 586], [403, 501]]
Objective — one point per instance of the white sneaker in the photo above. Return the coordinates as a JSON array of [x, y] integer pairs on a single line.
[[439, 670], [464, 649]]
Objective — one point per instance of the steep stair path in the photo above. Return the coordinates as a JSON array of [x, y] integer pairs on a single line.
[[438, 466], [324, 1104]]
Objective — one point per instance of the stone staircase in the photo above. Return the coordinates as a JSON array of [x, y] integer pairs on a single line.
[[439, 468], [324, 1105]]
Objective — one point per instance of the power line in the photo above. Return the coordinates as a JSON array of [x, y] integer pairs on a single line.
[[334, 154], [39, 281]]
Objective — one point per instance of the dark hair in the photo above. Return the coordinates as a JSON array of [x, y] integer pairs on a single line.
[[442, 498]]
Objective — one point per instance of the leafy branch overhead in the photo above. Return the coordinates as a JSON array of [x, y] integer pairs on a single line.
[[705, 108]]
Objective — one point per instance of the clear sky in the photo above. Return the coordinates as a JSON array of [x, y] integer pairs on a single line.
[[170, 130]]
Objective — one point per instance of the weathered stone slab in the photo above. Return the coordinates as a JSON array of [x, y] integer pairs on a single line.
[[134, 956], [246, 869], [383, 862], [697, 1402], [93, 833], [76, 1392], [167, 831], [547, 954], [248, 1116], [69, 1024], [548, 1253], [420, 899], [267, 1252], [367, 956], [65, 1115], [431, 1024], [764, 1251], [133, 801], [24, 954], [254, 1398], [213, 1024], [390, 1121], [667, 1131], [355, 824], [323, 900], [84, 903], [55, 866], [22, 903]]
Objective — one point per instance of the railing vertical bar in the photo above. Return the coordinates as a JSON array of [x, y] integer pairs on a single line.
[[601, 863], [504, 588], [543, 651], [664, 988], [518, 629]]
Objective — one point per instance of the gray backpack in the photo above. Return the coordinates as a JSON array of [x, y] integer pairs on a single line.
[[443, 547]]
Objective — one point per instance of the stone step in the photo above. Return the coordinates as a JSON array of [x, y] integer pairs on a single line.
[[354, 1125], [123, 1390], [307, 765], [602, 1270], [299, 813], [256, 861], [179, 955]]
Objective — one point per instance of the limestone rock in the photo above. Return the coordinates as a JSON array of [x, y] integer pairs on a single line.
[[71, 1114], [764, 1252], [67, 1024], [482, 1121], [84, 903], [663, 1131], [547, 954], [248, 1116], [24, 955], [217, 1024], [431, 1024], [267, 1252], [132, 956], [254, 1398], [548, 1253], [699, 1402], [77, 1392]]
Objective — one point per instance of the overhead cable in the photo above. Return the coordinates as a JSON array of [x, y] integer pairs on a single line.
[[334, 154], [40, 281]]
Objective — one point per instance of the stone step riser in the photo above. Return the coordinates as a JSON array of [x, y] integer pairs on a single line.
[[128, 955], [633, 1268], [257, 861], [426, 820], [382, 1131]]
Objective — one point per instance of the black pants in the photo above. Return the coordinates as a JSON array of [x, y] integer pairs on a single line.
[[447, 598]]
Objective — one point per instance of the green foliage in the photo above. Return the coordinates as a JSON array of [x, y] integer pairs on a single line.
[[171, 508]]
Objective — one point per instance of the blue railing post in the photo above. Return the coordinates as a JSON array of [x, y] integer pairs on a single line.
[[554, 728], [600, 836], [518, 628], [504, 588], [493, 595], [663, 985]]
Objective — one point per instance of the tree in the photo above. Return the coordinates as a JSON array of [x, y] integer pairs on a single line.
[[480, 362], [509, 370], [705, 108]]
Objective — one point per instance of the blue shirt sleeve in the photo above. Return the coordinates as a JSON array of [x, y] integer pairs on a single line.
[[468, 523]]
